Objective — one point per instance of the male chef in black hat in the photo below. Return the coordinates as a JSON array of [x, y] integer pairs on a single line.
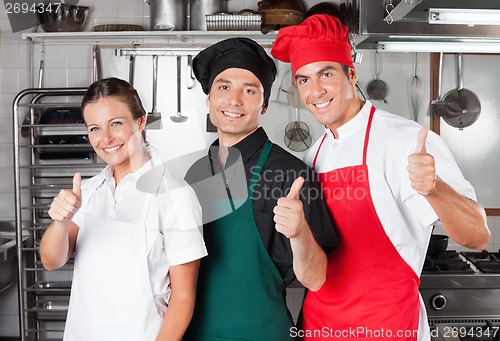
[[276, 226]]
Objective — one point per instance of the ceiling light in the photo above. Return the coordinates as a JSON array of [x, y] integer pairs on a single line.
[[438, 46], [459, 16]]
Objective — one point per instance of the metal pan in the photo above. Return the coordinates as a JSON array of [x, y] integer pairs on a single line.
[[377, 89], [462, 105]]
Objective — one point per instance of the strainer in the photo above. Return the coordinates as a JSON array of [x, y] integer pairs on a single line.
[[297, 133]]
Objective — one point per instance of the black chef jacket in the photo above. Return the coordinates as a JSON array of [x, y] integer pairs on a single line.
[[279, 172]]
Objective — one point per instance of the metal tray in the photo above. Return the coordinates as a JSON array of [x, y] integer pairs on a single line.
[[51, 310], [234, 22], [50, 288]]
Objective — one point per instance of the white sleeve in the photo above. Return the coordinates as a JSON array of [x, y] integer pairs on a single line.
[[182, 229]]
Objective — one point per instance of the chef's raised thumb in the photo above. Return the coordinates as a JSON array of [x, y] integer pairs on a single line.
[[77, 185], [421, 137], [295, 189]]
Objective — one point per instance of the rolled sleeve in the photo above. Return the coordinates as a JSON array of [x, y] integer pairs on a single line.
[[187, 255], [183, 233]]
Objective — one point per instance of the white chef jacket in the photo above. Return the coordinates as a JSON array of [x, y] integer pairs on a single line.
[[406, 216], [174, 224]]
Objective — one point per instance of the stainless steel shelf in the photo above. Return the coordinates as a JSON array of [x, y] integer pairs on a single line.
[[56, 129], [159, 38], [37, 180]]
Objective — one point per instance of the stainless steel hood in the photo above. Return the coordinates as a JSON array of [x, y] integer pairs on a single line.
[[369, 21]]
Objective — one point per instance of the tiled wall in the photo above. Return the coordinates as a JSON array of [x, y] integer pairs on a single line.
[[71, 66]]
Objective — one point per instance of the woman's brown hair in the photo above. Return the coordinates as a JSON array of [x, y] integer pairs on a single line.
[[118, 88]]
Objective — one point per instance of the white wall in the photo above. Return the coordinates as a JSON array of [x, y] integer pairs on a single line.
[[72, 66]]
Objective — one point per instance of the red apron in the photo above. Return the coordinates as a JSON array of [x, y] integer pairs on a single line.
[[370, 293]]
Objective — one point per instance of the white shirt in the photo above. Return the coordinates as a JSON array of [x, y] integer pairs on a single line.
[[406, 216], [174, 226]]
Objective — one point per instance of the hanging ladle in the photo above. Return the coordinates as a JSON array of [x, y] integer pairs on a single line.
[[178, 118]]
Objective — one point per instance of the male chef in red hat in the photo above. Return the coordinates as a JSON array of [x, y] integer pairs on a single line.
[[386, 182]]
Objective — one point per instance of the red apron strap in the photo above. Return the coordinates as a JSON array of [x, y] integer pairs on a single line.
[[317, 152], [367, 134]]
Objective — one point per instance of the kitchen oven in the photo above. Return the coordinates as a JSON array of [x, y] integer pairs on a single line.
[[461, 292]]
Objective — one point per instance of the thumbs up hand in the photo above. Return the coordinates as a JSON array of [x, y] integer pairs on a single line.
[[289, 212], [77, 186], [421, 137], [67, 202], [421, 166]]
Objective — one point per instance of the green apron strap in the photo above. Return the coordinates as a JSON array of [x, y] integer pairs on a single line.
[[258, 168]]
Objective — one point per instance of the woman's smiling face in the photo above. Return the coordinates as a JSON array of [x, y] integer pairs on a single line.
[[113, 132]]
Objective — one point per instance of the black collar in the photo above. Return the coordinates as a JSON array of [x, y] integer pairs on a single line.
[[247, 148]]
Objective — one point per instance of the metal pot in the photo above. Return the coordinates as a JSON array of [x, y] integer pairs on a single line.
[[201, 8], [179, 15], [437, 244], [166, 15]]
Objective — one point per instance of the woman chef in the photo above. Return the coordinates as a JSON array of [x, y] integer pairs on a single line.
[[385, 188], [136, 249]]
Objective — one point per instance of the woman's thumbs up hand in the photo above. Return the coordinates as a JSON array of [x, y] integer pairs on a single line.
[[67, 202]]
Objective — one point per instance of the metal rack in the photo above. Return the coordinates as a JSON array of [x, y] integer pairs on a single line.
[[43, 295]]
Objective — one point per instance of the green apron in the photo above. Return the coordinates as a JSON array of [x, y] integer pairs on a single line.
[[241, 295]]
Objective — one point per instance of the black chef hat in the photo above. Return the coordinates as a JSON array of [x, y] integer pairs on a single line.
[[241, 53]]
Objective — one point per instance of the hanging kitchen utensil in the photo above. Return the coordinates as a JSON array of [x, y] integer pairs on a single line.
[[290, 91], [360, 91], [96, 64], [438, 106], [462, 105], [191, 79], [154, 117], [377, 89], [293, 97], [131, 69], [178, 118], [415, 90], [297, 133]]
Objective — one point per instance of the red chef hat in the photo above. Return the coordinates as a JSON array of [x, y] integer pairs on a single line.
[[320, 37]]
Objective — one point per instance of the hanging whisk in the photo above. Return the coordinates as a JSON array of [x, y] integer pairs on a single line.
[[415, 90]]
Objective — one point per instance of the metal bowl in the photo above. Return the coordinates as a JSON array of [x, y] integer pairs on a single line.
[[64, 18]]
